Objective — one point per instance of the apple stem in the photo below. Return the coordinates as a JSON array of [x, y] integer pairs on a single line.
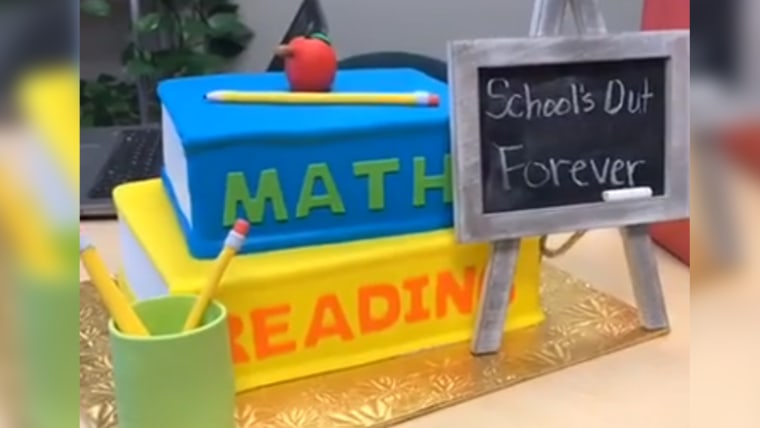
[[283, 51]]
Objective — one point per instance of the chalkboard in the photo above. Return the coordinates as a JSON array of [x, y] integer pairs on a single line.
[[561, 134], [540, 133]]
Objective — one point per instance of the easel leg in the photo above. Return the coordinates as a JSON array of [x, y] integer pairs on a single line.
[[588, 17], [642, 266], [547, 17], [494, 299]]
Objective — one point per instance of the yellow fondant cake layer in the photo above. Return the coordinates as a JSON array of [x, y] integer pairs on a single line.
[[311, 310], [49, 99], [25, 229]]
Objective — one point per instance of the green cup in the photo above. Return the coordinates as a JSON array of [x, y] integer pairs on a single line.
[[173, 378], [47, 326]]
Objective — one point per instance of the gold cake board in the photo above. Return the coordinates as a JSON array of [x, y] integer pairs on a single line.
[[582, 323]]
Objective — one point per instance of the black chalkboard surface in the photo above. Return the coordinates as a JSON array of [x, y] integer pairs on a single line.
[[560, 134]]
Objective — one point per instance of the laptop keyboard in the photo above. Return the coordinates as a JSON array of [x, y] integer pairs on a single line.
[[138, 157]]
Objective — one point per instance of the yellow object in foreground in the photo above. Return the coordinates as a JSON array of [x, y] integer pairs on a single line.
[[306, 311], [211, 288], [49, 100], [22, 224], [117, 304], [421, 98]]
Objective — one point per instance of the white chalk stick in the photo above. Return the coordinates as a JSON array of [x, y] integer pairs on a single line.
[[627, 194]]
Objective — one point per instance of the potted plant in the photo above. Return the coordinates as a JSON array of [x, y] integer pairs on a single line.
[[190, 37]]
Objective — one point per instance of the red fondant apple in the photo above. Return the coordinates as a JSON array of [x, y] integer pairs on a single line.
[[310, 63]]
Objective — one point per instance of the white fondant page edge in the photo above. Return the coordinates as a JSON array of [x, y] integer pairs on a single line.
[[143, 278], [175, 164], [60, 203]]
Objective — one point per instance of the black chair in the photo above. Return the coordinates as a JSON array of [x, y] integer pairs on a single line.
[[432, 67]]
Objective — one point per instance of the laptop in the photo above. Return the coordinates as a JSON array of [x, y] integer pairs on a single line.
[[114, 156]]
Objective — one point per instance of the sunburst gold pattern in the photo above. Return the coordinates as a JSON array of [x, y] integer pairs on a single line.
[[582, 323]]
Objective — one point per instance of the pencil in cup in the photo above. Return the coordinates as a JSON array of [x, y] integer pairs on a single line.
[[233, 243], [115, 301], [419, 98]]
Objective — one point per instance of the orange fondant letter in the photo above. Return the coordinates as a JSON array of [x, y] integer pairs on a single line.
[[239, 354], [369, 322], [263, 330], [461, 295], [320, 328], [417, 310]]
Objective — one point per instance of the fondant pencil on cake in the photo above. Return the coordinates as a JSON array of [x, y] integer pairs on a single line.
[[420, 98], [115, 301], [232, 245]]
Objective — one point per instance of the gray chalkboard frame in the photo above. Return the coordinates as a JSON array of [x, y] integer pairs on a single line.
[[465, 57]]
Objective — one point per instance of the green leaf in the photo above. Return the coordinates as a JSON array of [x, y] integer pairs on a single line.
[[194, 30], [87, 121], [127, 53], [198, 63], [139, 68], [225, 47], [94, 90], [95, 7], [120, 107], [149, 23], [225, 23], [105, 78], [170, 62]]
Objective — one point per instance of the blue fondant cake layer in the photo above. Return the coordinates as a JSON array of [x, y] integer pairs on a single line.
[[203, 124], [310, 175]]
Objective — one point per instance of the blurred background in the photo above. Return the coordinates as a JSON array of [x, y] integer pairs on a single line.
[[121, 48]]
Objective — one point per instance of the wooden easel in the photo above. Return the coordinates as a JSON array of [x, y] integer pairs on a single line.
[[547, 19]]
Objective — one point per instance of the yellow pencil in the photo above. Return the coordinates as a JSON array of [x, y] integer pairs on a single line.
[[421, 98], [117, 304], [232, 245], [23, 225]]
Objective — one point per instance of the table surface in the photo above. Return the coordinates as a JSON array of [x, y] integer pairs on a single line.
[[701, 375]]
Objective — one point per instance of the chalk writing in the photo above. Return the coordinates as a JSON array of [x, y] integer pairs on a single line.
[[559, 171], [561, 134], [520, 102]]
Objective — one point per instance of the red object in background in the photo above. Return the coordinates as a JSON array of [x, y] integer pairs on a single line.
[[673, 236], [310, 64], [743, 144], [669, 15], [665, 15]]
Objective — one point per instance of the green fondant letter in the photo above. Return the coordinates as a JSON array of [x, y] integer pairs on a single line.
[[268, 190], [423, 182], [308, 200], [375, 172]]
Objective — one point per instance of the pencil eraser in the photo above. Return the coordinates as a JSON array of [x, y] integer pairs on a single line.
[[241, 227], [627, 194], [434, 100]]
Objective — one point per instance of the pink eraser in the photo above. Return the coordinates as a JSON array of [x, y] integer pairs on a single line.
[[241, 227], [434, 100]]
